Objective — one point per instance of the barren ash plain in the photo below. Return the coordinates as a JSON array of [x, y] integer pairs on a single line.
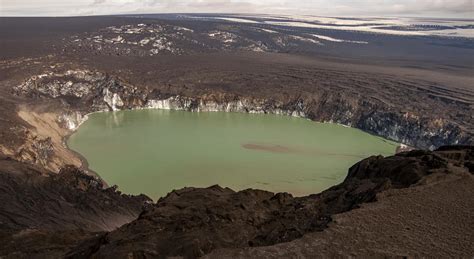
[[407, 80]]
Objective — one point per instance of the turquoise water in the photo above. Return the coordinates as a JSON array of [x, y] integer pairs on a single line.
[[156, 151]]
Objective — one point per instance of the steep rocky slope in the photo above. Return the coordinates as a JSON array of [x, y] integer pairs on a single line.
[[33, 198], [45, 211], [72, 94], [194, 222], [89, 91]]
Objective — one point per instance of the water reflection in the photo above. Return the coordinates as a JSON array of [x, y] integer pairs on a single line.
[[114, 120]]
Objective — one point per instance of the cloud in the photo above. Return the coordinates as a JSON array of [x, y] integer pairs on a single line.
[[456, 8]]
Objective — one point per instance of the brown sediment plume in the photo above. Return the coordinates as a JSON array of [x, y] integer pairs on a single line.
[[274, 148], [269, 148]]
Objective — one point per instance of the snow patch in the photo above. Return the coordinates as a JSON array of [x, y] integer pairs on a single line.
[[269, 31], [305, 39], [327, 38], [231, 19]]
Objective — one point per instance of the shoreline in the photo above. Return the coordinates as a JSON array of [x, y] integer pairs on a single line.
[[84, 163]]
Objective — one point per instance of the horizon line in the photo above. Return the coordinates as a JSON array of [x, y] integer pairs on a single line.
[[227, 13]]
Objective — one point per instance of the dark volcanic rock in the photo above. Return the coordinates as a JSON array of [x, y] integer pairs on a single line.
[[192, 222], [32, 198], [44, 214], [402, 170]]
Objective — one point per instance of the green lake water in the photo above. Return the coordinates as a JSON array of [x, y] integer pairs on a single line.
[[156, 151]]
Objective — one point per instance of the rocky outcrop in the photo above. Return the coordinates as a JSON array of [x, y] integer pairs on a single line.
[[215, 103], [83, 92], [193, 222]]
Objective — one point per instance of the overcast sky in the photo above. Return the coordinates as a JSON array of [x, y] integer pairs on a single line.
[[432, 8]]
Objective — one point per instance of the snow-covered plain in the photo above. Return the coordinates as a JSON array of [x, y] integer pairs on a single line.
[[394, 26]]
